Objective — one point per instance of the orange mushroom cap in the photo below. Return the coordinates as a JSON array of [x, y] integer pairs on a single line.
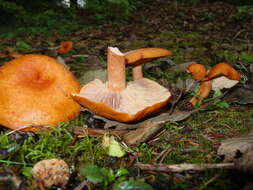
[[223, 69], [198, 71], [35, 90], [140, 56], [65, 47]]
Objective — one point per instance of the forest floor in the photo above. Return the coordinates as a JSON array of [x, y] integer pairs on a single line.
[[204, 33]]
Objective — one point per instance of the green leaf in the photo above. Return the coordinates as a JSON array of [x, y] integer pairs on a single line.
[[112, 147], [115, 148], [23, 46], [222, 104], [246, 57], [217, 93], [27, 171], [132, 185], [93, 173], [121, 172]]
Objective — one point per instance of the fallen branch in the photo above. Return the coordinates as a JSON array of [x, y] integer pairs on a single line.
[[178, 168], [83, 132]]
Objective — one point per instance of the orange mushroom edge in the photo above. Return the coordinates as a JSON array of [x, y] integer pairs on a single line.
[[207, 78], [118, 100], [198, 71], [65, 47], [35, 91], [136, 58], [223, 69]]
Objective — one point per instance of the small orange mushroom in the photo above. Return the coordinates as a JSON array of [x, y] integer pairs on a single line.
[[223, 69], [118, 100], [65, 47], [35, 90], [198, 71]]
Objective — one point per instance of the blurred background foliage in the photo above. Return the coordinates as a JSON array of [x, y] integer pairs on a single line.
[[42, 17]]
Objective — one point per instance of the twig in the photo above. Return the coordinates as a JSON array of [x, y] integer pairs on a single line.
[[238, 33], [81, 185], [84, 55], [210, 181], [174, 102], [82, 132], [23, 127], [243, 66], [178, 168], [163, 154], [14, 163]]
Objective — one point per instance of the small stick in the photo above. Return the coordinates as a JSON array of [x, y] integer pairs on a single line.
[[82, 132], [178, 168], [81, 185]]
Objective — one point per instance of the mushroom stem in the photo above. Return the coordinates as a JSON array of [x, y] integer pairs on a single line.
[[116, 69], [204, 90], [137, 72]]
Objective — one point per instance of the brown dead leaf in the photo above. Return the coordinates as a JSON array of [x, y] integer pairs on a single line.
[[241, 94], [142, 134], [148, 128], [177, 115], [234, 147], [187, 141], [215, 135]]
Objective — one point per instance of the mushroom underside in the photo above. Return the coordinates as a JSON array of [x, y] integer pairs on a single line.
[[140, 97]]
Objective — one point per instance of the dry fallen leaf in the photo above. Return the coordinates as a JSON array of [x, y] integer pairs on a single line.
[[234, 147], [241, 94], [223, 82]]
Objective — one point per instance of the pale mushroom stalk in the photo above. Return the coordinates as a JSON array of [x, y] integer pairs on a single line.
[[116, 69], [204, 90], [137, 72]]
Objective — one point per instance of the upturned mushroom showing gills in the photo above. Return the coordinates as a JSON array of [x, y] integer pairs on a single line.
[[35, 90], [121, 101]]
